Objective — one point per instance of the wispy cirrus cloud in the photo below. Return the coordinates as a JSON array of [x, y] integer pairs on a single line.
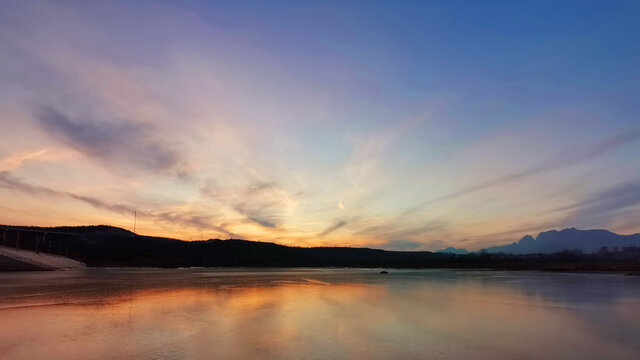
[[195, 220], [116, 142], [332, 228], [604, 206], [261, 203], [191, 219], [257, 207], [17, 160], [570, 158], [389, 230], [13, 183]]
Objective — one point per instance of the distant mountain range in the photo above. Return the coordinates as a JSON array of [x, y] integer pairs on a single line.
[[587, 241]]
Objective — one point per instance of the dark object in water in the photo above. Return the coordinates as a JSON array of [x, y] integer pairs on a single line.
[[384, 272]]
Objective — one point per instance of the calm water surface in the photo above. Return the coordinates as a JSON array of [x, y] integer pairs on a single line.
[[317, 314]]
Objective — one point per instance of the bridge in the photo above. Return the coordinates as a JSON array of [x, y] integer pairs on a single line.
[[23, 249]]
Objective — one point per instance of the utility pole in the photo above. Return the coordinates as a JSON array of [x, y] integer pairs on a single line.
[[135, 217]]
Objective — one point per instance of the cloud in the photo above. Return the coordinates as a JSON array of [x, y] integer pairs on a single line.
[[261, 222], [400, 245], [393, 231], [10, 182], [262, 203], [192, 220], [197, 221], [15, 161], [332, 228], [115, 142], [602, 207], [571, 158], [257, 206]]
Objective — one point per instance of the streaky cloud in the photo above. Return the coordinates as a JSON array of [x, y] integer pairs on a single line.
[[576, 157], [261, 203], [256, 210], [605, 205], [197, 221], [261, 222], [333, 228], [392, 231], [116, 142], [11, 182]]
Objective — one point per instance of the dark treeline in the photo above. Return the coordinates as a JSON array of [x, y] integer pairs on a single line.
[[110, 246]]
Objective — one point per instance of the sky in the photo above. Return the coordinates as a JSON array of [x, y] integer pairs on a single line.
[[389, 124]]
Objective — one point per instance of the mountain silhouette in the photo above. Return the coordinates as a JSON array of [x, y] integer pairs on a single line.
[[548, 242], [587, 241], [452, 250]]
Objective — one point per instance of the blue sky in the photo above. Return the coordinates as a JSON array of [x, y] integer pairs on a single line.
[[401, 125]]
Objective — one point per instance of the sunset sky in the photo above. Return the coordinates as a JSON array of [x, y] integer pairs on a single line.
[[395, 125]]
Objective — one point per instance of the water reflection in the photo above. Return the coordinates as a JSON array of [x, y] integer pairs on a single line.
[[317, 314]]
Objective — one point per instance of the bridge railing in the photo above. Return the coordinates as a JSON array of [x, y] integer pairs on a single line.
[[47, 241]]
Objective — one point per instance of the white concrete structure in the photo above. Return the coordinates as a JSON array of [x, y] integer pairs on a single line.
[[41, 260]]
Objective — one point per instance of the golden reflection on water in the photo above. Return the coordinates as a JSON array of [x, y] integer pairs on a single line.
[[315, 320]]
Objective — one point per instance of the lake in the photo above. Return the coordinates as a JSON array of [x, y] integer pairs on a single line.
[[317, 314]]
